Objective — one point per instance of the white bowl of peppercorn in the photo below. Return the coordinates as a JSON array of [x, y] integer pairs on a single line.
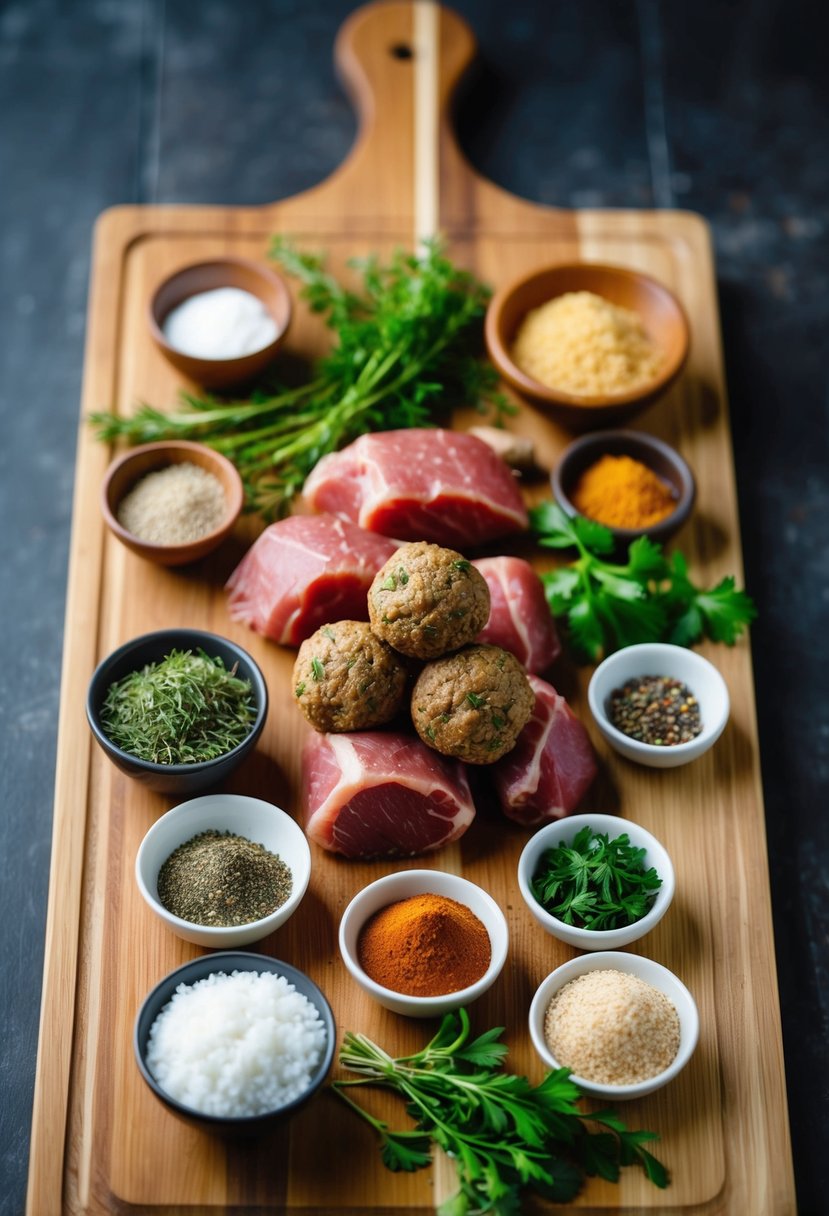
[[659, 705], [423, 942], [224, 870]]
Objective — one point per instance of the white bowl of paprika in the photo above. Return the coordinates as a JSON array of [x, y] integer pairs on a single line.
[[423, 942]]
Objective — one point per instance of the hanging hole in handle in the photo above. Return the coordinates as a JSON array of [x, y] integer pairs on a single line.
[[401, 50]]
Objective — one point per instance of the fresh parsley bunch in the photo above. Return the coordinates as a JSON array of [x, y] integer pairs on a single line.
[[649, 598], [502, 1132], [595, 882], [407, 350]]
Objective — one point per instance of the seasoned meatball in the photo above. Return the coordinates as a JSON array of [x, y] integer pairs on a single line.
[[472, 704], [346, 678], [427, 600]]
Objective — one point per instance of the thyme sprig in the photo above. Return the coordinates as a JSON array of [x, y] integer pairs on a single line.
[[502, 1132], [182, 710], [407, 351], [595, 882]]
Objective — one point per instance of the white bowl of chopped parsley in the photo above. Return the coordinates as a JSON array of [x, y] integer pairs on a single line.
[[224, 870], [641, 697], [178, 709], [596, 882]]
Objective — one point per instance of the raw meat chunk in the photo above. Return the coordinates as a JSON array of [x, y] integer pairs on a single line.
[[303, 572], [420, 484], [519, 619], [552, 765], [381, 794]]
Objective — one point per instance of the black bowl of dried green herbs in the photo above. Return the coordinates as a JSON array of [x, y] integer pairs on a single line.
[[178, 709]]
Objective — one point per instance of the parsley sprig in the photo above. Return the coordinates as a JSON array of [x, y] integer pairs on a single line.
[[595, 882], [502, 1132], [649, 598], [407, 350]]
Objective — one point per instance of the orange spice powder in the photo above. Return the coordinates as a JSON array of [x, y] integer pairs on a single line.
[[621, 492], [427, 945]]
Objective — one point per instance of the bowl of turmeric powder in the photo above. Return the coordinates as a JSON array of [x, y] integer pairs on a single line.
[[423, 942], [633, 483], [589, 343]]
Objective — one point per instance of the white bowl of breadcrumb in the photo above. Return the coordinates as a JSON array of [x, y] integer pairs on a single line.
[[624, 1025]]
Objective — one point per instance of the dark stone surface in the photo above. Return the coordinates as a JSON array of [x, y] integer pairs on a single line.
[[720, 106]]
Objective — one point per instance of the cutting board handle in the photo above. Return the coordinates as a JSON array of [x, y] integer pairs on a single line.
[[400, 63]]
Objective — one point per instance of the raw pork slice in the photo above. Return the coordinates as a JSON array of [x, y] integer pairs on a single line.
[[442, 486], [377, 794], [552, 765], [303, 572], [519, 619]]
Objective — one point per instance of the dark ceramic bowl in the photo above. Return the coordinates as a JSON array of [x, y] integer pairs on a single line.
[[259, 280], [151, 648], [128, 469], [662, 315], [198, 969], [658, 456]]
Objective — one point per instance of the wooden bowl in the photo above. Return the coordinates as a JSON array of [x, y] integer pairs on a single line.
[[260, 281], [129, 468], [660, 457], [661, 313]]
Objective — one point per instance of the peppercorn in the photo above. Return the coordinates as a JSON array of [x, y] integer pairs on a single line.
[[658, 710]]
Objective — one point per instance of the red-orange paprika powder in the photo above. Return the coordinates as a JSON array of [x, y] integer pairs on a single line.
[[427, 945]]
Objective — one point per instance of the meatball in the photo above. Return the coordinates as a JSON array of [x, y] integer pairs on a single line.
[[345, 678], [427, 600], [473, 704]]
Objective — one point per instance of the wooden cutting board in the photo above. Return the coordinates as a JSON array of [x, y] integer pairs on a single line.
[[101, 1143]]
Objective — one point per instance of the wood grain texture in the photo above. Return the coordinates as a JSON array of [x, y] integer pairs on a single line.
[[101, 1143]]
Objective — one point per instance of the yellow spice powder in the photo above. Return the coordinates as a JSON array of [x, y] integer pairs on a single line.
[[582, 344], [621, 492]]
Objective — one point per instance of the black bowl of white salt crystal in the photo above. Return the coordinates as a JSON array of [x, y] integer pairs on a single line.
[[208, 700], [234, 1041]]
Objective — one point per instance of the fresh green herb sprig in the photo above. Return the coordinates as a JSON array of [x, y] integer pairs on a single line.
[[595, 882], [408, 350], [182, 710], [649, 598], [502, 1132]]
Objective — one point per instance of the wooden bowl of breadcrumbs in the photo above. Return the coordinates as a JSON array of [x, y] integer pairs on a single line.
[[591, 344]]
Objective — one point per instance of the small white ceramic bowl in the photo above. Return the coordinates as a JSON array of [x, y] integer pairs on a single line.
[[404, 885], [252, 818], [563, 831], [660, 659], [632, 964]]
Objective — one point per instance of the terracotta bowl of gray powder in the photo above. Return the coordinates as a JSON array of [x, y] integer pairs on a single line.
[[172, 502]]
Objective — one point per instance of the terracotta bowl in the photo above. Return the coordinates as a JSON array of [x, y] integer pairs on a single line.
[[661, 313], [260, 281], [129, 468], [664, 460]]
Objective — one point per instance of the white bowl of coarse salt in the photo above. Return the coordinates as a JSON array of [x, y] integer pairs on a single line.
[[624, 1025], [233, 1041]]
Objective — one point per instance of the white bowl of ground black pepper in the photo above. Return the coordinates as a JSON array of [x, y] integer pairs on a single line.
[[624, 1025], [224, 870], [172, 502], [659, 705]]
